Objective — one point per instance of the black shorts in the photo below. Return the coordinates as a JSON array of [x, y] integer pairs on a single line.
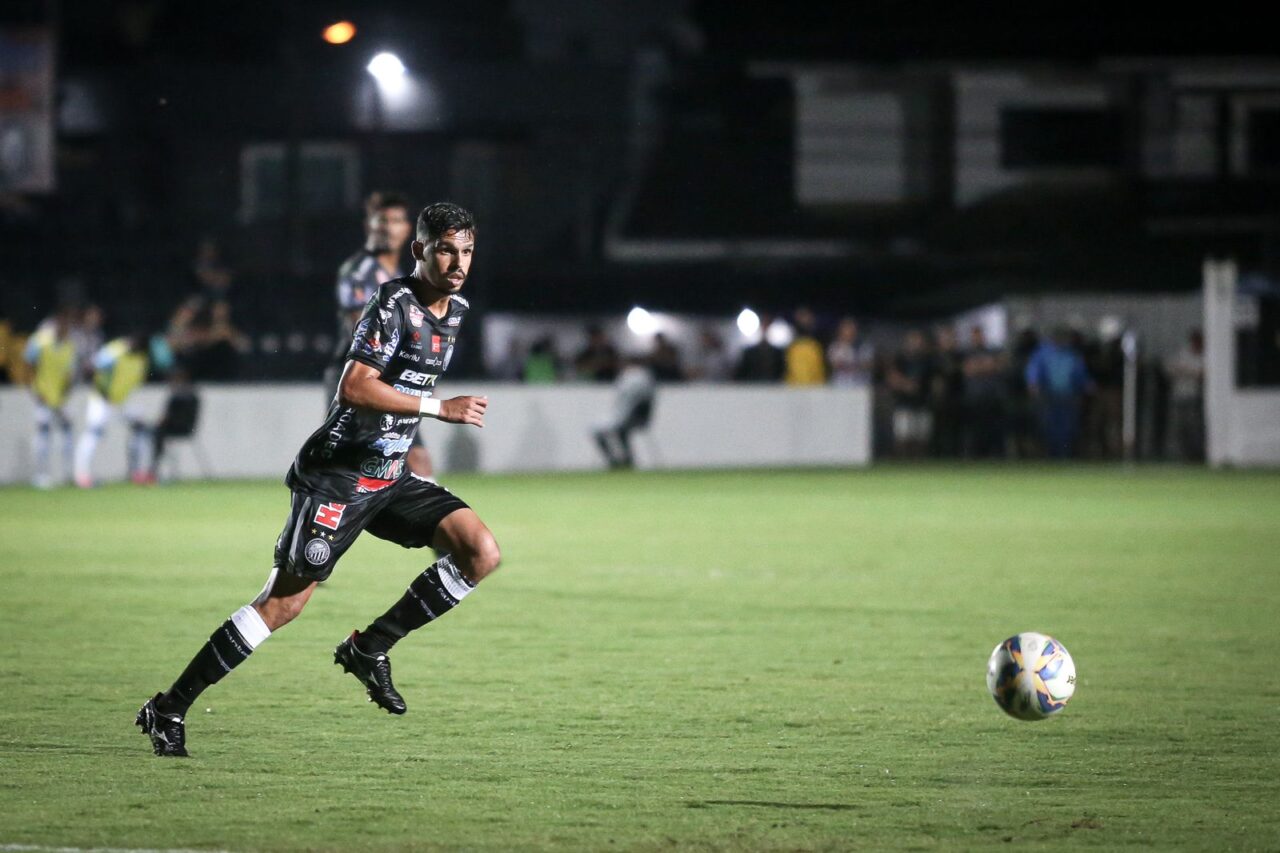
[[319, 531]]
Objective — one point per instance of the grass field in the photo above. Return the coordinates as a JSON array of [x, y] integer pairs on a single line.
[[781, 660]]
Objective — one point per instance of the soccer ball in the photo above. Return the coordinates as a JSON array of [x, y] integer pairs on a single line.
[[1031, 676]]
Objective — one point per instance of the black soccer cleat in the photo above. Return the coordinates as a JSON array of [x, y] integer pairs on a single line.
[[373, 670], [168, 734]]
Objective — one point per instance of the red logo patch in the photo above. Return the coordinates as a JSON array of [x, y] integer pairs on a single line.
[[371, 484], [435, 343], [330, 515]]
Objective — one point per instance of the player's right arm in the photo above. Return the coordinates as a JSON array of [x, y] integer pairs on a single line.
[[361, 388]]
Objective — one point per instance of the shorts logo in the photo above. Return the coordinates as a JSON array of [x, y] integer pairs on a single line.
[[386, 422], [330, 515], [415, 316], [317, 552]]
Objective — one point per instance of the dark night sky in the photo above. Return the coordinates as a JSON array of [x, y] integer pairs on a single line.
[[133, 30]]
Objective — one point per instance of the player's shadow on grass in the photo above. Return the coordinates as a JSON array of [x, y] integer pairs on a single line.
[[830, 807]]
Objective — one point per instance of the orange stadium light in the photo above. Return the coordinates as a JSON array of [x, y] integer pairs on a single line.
[[340, 33]]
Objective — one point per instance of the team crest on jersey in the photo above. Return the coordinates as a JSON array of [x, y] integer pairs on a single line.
[[415, 315], [330, 515], [317, 552]]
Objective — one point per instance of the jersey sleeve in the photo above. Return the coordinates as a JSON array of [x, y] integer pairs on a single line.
[[356, 284], [377, 334]]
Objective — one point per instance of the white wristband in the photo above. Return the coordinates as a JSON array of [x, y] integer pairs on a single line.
[[429, 407]]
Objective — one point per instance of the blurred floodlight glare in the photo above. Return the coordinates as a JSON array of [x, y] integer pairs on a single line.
[[641, 322], [340, 33], [779, 333], [386, 68], [748, 322]]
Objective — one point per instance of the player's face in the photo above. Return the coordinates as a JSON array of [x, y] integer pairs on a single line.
[[388, 229], [446, 261]]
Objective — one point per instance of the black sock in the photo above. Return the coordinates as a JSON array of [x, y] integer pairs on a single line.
[[431, 595], [226, 649]]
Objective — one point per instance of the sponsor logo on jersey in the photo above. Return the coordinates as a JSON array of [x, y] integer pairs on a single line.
[[391, 300], [365, 485], [453, 321], [393, 444], [386, 422], [417, 377], [389, 348], [336, 433], [330, 515], [415, 316], [435, 343], [384, 314], [382, 469], [317, 552]]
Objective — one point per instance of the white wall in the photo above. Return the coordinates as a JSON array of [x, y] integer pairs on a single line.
[[1242, 425], [255, 430]]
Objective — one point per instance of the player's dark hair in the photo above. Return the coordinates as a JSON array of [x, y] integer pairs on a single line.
[[382, 200], [440, 218]]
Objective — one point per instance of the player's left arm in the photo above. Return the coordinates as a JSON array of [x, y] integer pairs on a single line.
[[361, 388]]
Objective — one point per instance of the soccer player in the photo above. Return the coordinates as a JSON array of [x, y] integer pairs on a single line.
[[350, 476], [387, 228], [51, 352], [119, 367]]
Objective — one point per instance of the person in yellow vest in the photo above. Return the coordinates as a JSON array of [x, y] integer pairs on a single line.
[[51, 353], [805, 358], [119, 367]]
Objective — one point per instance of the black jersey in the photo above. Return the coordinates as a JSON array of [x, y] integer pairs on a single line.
[[357, 451], [358, 277]]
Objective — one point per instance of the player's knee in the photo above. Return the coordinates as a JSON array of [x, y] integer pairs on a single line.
[[480, 558]]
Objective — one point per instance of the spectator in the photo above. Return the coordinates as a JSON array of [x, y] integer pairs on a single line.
[[598, 360], [664, 361], [205, 340], [1186, 396], [908, 379], [1020, 420], [211, 276], [1056, 381], [1105, 364], [946, 391], [985, 393], [711, 362], [540, 367], [632, 410], [51, 353], [762, 361], [804, 355], [181, 413], [852, 363]]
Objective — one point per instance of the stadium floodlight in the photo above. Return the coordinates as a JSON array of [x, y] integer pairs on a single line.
[[779, 333], [748, 322], [386, 68], [339, 33], [641, 322]]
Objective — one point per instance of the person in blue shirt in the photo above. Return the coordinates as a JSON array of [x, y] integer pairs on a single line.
[[1057, 381]]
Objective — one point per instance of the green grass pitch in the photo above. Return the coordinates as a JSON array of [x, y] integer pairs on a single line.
[[719, 661]]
